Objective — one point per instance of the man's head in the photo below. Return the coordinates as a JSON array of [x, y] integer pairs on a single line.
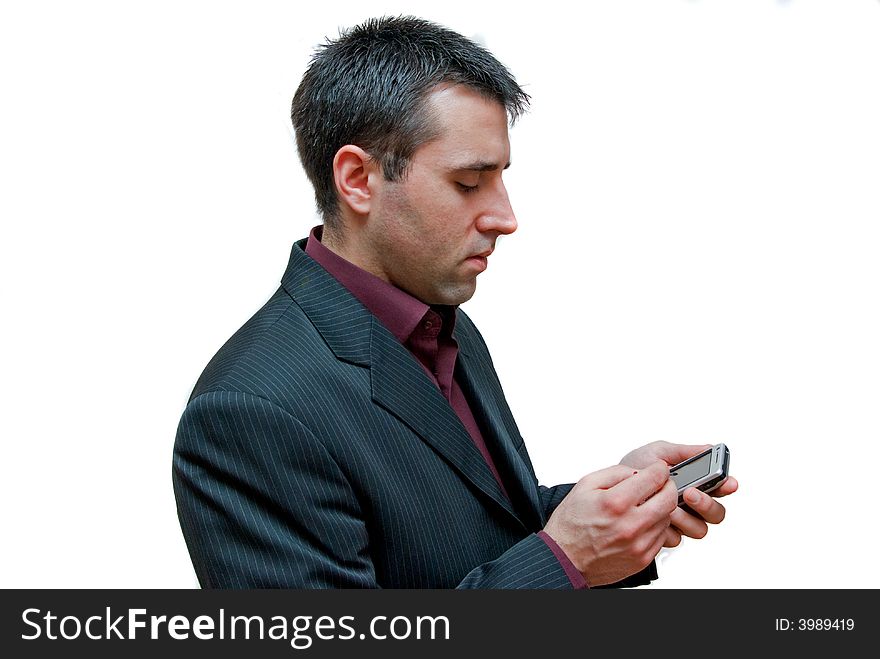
[[396, 121]]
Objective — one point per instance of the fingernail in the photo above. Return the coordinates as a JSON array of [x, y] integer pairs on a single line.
[[693, 497]]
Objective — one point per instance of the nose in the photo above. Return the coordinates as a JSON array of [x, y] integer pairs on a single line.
[[498, 216]]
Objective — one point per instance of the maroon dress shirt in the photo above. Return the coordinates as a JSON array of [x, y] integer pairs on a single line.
[[426, 331]]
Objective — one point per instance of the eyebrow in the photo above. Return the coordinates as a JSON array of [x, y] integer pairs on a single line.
[[479, 166]]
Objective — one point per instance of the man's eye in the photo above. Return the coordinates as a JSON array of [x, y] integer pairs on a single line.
[[466, 188]]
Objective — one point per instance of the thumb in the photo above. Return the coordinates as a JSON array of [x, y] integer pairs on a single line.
[[680, 452]]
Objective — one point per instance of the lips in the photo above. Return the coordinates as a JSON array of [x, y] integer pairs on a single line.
[[480, 261]]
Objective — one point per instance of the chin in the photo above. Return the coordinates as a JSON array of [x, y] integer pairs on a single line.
[[455, 296]]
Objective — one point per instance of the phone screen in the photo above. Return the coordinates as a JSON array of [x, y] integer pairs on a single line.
[[691, 471]]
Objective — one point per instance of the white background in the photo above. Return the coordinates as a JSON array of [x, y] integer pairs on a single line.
[[697, 258]]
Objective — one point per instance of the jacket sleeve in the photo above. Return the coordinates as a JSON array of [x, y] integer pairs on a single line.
[[552, 496], [263, 504], [528, 564]]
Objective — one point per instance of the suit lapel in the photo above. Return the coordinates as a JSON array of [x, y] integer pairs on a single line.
[[499, 432], [401, 386], [398, 383]]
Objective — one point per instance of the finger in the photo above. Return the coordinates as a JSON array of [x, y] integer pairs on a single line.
[[657, 532], [688, 525], [729, 486], [642, 484], [606, 478], [704, 505], [661, 504], [672, 537], [660, 542]]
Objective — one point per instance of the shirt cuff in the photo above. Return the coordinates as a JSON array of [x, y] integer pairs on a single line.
[[574, 575]]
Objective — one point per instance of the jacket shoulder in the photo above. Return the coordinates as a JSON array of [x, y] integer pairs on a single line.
[[276, 338]]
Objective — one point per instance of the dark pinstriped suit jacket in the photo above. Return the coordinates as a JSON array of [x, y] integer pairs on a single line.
[[314, 452]]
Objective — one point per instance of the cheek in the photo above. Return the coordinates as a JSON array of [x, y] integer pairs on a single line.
[[445, 216], [434, 195], [430, 222]]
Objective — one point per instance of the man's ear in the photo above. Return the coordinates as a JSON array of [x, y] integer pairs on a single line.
[[356, 175]]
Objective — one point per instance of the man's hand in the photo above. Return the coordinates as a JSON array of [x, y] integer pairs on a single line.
[[707, 510], [614, 521]]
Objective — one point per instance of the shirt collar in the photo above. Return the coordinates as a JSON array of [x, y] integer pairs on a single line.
[[399, 311]]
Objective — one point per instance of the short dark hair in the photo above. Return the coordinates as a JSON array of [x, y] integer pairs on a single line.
[[369, 88]]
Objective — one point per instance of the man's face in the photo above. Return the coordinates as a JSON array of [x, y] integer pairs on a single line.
[[431, 233]]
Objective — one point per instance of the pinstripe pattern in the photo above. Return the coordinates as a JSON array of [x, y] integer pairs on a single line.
[[315, 453]]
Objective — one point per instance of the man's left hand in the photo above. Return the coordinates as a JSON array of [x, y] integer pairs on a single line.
[[702, 509]]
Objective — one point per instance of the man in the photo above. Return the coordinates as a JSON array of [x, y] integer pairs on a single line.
[[354, 433]]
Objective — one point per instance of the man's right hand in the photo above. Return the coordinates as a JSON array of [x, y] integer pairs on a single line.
[[614, 521]]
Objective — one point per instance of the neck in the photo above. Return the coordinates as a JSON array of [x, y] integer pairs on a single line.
[[348, 247]]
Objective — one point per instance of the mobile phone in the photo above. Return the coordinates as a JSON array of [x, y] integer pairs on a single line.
[[705, 471]]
